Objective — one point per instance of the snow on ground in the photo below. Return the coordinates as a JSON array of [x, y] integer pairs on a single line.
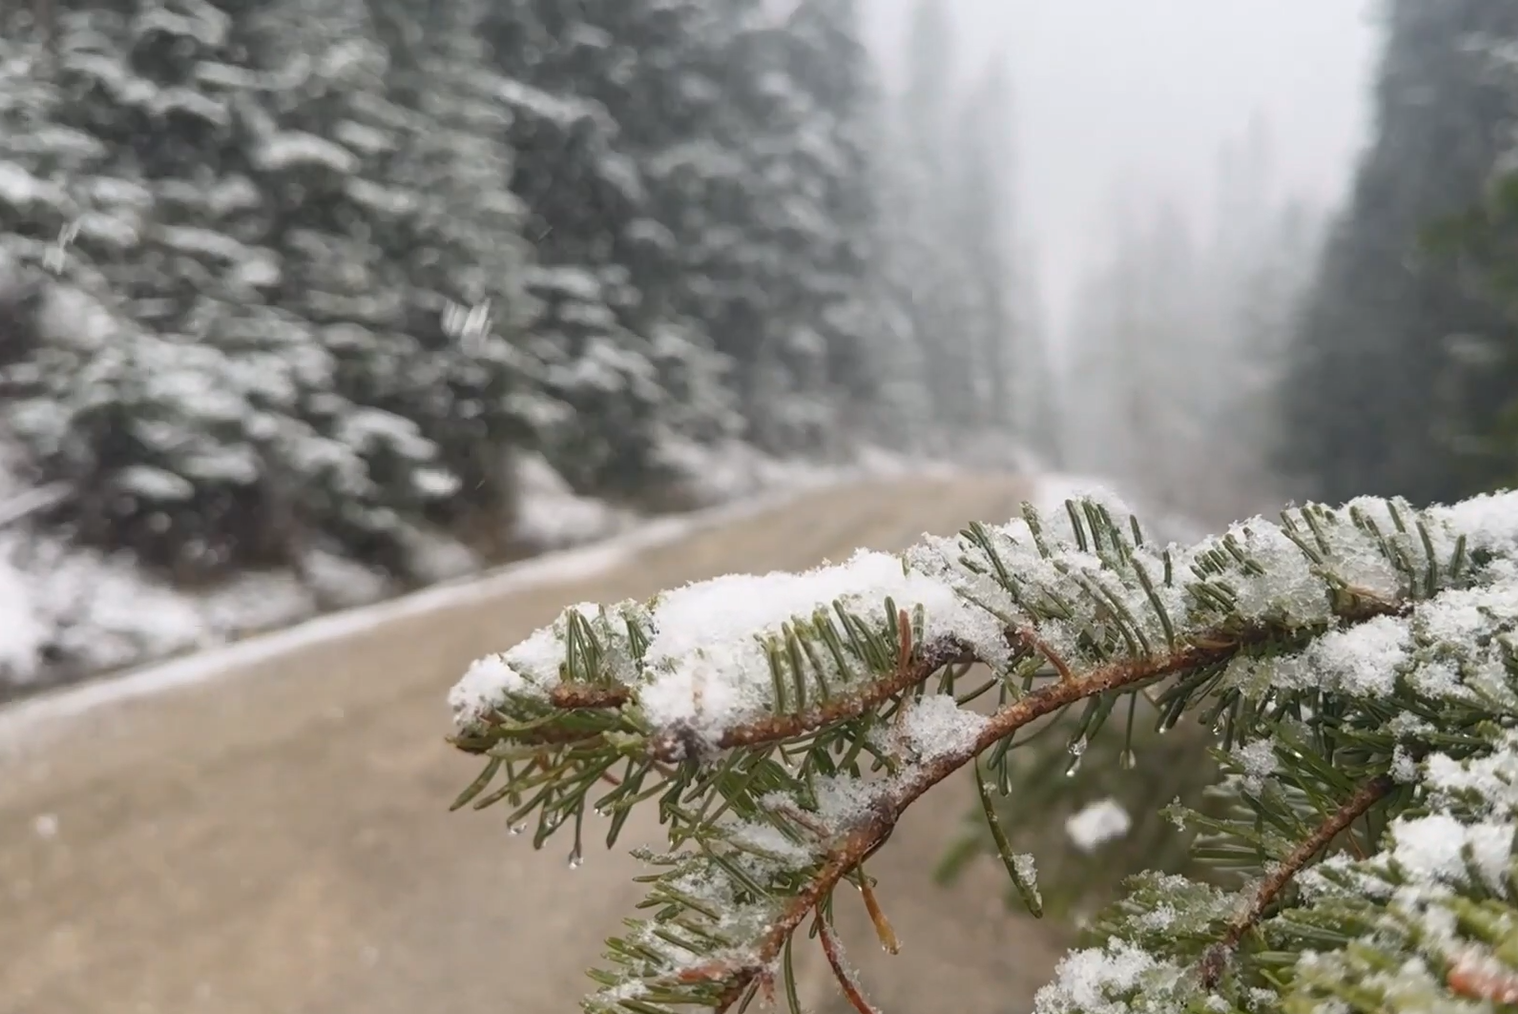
[[56, 600], [722, 473], [67, 613], [552, 515]]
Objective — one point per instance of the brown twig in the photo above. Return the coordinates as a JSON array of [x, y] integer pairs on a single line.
[[846, 979], [883, 930], [1367, 795], [548, 735], [672, 744], [1032, 640], [580, 697], [1482, 977]]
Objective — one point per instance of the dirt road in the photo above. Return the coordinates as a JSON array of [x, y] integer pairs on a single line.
[[277, 842]]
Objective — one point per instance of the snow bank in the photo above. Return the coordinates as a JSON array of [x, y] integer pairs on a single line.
[[552, 516], [721, 473], [106, 610]]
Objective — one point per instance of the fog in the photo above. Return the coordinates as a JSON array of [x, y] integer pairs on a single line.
[[1111, 89]]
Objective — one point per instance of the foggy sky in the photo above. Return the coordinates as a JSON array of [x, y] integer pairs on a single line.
[[1147, 89]]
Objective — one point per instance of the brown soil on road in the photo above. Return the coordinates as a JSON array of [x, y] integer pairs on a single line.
[[278, 842]]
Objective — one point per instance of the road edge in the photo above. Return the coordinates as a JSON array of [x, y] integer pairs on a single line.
[[545, 570]]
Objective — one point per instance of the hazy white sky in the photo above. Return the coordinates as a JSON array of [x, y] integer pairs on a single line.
[[1149, 88]]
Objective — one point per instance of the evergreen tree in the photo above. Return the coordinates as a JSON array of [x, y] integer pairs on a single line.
[[656, 90], [1262, 253], [983, 229], [908, 415], [834, 247], [272, 216], [1037, 409], [1476, 403], [1141, 353], [601, 345], [1362, 393], [761, 208], [928, 263], [1352, 668], [338, 145], [466, 263], [1169, 312], [173, 381], [1477, 411]]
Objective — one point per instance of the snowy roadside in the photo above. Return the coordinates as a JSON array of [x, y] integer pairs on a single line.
[[104, 617]]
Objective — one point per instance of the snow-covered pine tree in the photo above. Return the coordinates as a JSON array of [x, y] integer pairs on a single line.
[[162, 377], [466, 264], [582, 196], [925, 256], [652, 86], [833, 211], [907, 414], [373, 147], [981, 218], [38, 154], [1478, 412], [1139, 351], [1355, 667], [746, 210], [1037, 405], [335, 466], [672, 100], [1474, 399]]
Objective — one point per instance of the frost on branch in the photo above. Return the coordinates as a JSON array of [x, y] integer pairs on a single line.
[[1356, 665]]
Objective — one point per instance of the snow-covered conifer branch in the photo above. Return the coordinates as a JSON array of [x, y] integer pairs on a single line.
[[785, 722]]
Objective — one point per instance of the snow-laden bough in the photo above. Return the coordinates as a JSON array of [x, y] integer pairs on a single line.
[[1360, 661]]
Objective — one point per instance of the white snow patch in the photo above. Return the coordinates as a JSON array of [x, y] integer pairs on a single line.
[[485, 682], [550, 515], [706, 668], [936, 727], [1434, 848], [228, 660], [1258, 760], [22, 631], [1097, 824], [1052, 489], [1363, 660], [1085, 980]]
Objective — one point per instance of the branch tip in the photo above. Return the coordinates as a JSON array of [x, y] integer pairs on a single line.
[[847, 981], [1215, 961], [883, 929]]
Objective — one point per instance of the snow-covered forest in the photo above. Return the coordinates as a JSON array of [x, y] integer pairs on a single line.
[[335, 292], [308, 305], [311, 302], [1269, 347]]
